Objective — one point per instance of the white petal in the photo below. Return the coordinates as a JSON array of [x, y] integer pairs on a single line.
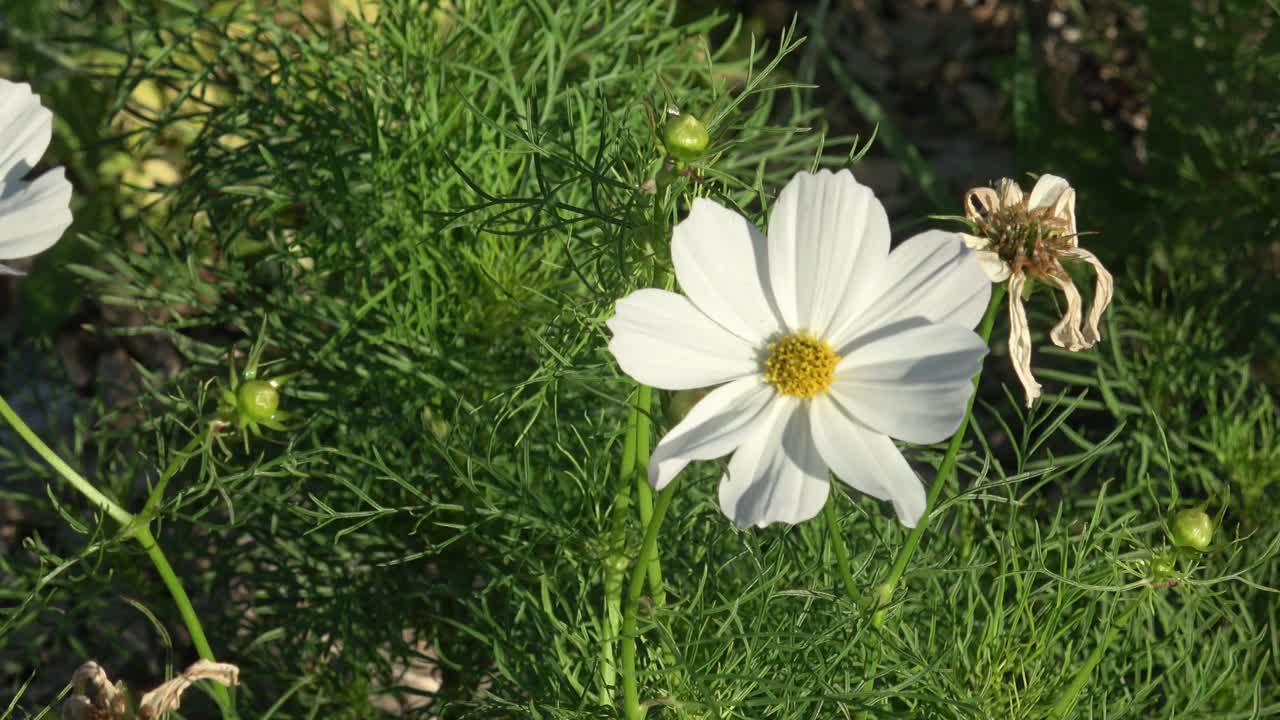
[[25, 130], [841, 451], [661, 339], [777, 475], [716, 425], [720, 260], [34, 215], [910, 380], [1054, 192], [932, 275], [1020, 339], [866, 460], [996, 269], [828, 237]]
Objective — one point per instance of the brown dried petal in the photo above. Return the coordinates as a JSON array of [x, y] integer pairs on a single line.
[[1053, 192], [1020, 339], [78, 707], [1010, 193], [1103, 291], [169, 695], [980, 202], [1066, 334], [91, 681], [95, 697]]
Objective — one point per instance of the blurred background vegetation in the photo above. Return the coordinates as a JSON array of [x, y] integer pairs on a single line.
[[430, 543]]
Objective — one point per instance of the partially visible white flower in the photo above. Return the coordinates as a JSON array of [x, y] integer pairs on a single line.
[[823, 344], [1020, 237], [34, 214]]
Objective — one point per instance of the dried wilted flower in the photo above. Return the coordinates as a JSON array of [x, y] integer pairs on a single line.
[[96, 698], [169, 695], [1027, 236]]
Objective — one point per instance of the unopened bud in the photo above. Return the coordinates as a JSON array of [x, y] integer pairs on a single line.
[[258, 399], [685, 137], [1192, 528]]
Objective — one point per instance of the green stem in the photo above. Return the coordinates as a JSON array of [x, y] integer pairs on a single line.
[[180, 598], [174, 467], [630, 685], [884, 593], [644, 493], [102, 502], [138, 529], [616, 562], [1068, 697], [837, 544]]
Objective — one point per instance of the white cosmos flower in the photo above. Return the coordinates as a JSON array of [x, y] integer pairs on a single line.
[[825, 346], [33, 215]]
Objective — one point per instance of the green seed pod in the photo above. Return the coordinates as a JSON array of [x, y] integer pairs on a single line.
[[685, 137], [258, 400], [681, 402], [1193, 529]]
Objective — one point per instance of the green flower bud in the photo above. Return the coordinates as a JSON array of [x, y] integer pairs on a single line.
[[685, 137], [1162, 565], [258, 400], [1193, 529]]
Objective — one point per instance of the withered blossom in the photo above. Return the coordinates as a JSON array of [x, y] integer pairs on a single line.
[[1020, 237], [95, 698]]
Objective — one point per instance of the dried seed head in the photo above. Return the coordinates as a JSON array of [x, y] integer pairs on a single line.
[[1024, 235]]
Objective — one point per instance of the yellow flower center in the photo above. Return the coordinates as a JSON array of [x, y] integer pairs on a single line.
[[801, 365]]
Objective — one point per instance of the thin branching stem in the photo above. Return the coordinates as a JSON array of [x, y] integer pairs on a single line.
[[102, 502], [176, 463], [139, 530], [884, 593], [1069, 694]]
